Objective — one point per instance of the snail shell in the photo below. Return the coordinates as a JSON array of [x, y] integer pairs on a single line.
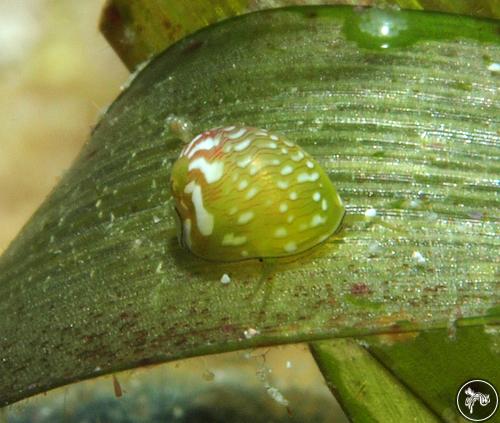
[[244, 192]]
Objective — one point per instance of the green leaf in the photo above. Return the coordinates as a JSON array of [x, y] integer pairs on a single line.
[[140, 29], [403, 122], [364, 388], [435, 364]]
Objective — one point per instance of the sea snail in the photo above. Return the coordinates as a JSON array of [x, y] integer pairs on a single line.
[[244, 192]]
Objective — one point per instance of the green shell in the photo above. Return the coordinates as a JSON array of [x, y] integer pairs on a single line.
[[244, 192]]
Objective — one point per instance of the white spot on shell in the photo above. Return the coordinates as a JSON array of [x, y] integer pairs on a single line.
[[251, 193], [293, 195], [194, 140], [271, 145], [298, 156], [317, 220], [253, 170], [243, 145], [282, 184], [286, 170], [204, 220], [283, 207], [245, 217], [237, 134], [290, 247], [244, 162], [206, 144], [280, 232], [242, 185], [231, 239], [290, 218], [306, 177], [233, 210], [244, 253], [317, 196], [309, 164], [211, 171], [303, 227], [324, 205], [274, 138]]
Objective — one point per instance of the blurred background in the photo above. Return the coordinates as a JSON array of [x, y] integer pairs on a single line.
[[57, 76]]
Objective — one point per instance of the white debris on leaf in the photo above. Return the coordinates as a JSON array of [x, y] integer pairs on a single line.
[[494, 67], [415, 204], [370, 212], [225, 279], [374, 248], [250, 333], [418, 257]]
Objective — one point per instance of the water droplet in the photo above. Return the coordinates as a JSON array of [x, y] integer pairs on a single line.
[[377, 28]]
